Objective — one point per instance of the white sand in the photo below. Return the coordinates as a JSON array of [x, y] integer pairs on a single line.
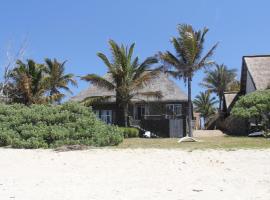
[[134, 174]]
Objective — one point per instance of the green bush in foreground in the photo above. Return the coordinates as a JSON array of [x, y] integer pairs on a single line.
[[256, 106], [48, 126], [129, 132]]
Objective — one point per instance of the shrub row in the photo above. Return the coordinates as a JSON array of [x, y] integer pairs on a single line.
[[129, 132], [48, 126]]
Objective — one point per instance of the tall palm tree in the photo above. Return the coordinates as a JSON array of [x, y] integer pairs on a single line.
[[127, 77], [219, 80], [204, 104], [28, 87], [56, 79], [188, 58]]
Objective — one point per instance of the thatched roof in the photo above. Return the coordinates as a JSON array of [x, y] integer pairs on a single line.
[[168, 88], [259, 69], [229, 98]]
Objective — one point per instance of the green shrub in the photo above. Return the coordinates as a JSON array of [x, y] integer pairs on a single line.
[[47, 126], [254, 106], [130, 132]]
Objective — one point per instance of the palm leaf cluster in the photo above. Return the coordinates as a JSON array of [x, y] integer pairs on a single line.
[[219, 80], [188, 58], [33, 83], [204, 104], [128, 76]]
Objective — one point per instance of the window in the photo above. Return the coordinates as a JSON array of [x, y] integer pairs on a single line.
[[104, 115], [174, 109]]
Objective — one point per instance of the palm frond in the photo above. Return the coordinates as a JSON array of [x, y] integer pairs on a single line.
[[98, 80], [89, 101], [204, 61]]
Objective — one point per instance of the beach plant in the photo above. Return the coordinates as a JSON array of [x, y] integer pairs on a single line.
[[188, 59], [48, 126], [127, 76], [130, 132], [254, 106]]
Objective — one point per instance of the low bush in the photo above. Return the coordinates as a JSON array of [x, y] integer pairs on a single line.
[[47, 126], [130, 132], [254, 106]]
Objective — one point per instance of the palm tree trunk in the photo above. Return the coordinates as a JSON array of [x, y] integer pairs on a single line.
[[190, 134], [220, 102]]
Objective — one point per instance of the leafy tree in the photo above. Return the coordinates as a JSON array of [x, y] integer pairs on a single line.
[[219, 80], [56, 79], [188, 59], [127, 77], [255, 106], [204, 104]]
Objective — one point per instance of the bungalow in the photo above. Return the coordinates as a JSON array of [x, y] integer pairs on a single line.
[[165, 116], [255, 75]]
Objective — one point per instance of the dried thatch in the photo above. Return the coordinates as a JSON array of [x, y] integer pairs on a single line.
[[259, 69], [168, 88]]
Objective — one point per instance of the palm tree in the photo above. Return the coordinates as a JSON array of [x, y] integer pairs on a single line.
[[204, 104], [127, 77], [219, 80], [27, 83], [56, 79], [188, 58]]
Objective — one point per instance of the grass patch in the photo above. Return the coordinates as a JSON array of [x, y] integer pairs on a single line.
[[215, 142]]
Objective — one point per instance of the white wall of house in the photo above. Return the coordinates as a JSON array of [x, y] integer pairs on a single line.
[[249, 85]]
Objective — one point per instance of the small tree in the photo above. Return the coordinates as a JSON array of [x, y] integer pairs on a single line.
[[204, 104], [219, 80], [255, 106]]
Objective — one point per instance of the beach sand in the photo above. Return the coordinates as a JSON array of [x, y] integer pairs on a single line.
[[127, 174]]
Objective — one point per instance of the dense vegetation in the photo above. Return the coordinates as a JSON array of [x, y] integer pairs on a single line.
[[33, 83], [46, 126], [254, 106]]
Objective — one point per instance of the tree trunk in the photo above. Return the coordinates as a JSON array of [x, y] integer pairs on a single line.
[[220, 102], [190, 134], [121, 112]]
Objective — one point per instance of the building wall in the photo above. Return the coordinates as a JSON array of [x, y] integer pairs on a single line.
[[156, 121]]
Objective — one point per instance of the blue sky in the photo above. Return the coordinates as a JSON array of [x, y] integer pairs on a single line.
[[76, 30]]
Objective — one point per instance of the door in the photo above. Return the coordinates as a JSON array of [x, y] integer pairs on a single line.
[[176, 128], [139, 112]]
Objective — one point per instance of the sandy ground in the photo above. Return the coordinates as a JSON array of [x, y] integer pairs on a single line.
[[134, 174], [207, 133]]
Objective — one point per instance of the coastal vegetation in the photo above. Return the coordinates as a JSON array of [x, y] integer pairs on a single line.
[[49, 126]]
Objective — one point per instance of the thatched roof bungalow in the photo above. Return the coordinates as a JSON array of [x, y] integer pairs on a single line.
[[255, 73], [150, 113]]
